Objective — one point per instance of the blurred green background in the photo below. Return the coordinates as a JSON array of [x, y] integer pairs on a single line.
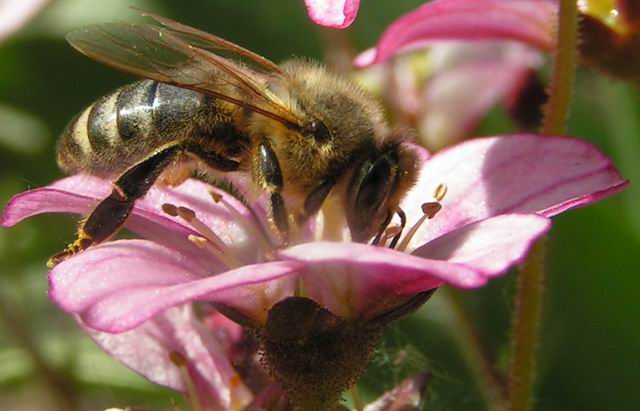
[[590, 348]]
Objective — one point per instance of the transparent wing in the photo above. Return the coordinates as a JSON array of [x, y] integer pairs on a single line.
[[180, 55]]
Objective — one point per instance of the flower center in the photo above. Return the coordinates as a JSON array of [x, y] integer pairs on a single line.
[[208, 240]]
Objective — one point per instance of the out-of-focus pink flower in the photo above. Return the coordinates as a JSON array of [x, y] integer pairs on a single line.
[[481, 53], [530, 22], [332, 13], [500, 193], [15, 13]]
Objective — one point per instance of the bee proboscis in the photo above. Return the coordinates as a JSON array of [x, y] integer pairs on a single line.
[[300, 132]]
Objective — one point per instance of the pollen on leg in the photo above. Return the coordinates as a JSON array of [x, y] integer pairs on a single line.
[[207, 239]]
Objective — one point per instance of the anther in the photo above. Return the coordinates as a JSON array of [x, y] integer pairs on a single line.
[[428, 210], [441, 191], [431, 209]]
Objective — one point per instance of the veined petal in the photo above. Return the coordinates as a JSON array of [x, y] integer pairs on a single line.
[[116, 286], [332, 13], [79, 194], [491, 246], [510, 174], [147, 350], [521, 20], [357, 280]]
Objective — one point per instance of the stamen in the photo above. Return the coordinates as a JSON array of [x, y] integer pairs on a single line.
[[214, 242], [429, 209], [257, 230], [205, 244], [181, 363]]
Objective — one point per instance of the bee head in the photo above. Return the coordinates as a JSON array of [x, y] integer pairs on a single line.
[[377, 186]]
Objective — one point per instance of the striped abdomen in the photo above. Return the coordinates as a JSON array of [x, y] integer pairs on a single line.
[[123, 127]]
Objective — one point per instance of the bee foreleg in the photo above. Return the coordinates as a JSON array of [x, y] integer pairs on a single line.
[[271, 177], [316, 197], [111, 213], [211, 158]]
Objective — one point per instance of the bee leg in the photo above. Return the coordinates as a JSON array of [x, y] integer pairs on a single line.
[[211, 158], [316, 197], [273, 183], [111, 213]]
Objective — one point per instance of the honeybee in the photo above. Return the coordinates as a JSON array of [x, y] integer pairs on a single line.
[[301, 133]]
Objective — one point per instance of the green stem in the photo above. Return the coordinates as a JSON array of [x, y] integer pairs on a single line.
[[526, 327], [475, 352], [557, 108], [529, 296]]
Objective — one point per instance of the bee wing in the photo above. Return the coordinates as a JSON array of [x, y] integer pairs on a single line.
[[179, 55], [212, 42]]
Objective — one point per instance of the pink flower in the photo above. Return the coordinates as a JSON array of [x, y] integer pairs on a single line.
[[526, 21], [332, 13], [481, 53], [16, 14], [500, 193]]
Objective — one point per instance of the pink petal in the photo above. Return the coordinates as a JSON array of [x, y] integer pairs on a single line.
[[522, 20], [147, 350], [457, 99], [333, 13], [116, 286], [16, 13], [354, 280], [509, 174], [80, 193], [468, 80], [491, 246]]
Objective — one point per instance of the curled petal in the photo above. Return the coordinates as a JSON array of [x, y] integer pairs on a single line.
[[509, 174], [356, 280], [332, 13], [148, 349], [117, 286], [491, 246], [527, 21]]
